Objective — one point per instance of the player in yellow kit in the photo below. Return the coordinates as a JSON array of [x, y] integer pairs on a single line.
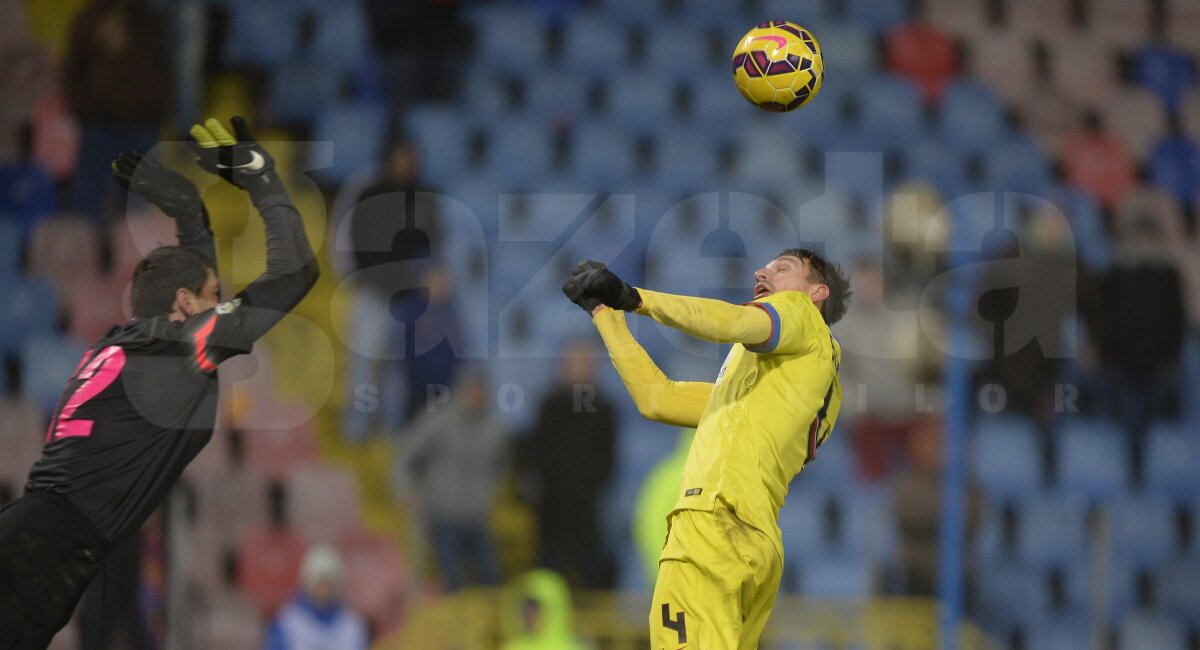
[[773, 403]]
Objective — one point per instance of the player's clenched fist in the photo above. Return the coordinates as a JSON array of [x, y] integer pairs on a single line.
[[591, 283], [236, 157]]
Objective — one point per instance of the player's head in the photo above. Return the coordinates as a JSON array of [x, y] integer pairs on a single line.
[[173, 281], [801, 269]]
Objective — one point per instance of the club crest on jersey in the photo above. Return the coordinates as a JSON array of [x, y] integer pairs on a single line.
[[724, 365], [229, 307]]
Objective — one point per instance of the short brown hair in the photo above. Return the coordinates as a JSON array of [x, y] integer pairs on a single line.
[[163, 272], [829, 274]]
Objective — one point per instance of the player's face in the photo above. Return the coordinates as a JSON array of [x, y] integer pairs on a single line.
[[784, 273]]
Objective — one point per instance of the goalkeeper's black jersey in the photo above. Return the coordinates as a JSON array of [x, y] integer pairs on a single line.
[[137, 410]]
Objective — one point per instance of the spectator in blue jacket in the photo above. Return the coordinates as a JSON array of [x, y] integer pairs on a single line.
[[317, 617]]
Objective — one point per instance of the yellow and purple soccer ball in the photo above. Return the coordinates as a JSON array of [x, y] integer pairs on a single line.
[[778, 66]]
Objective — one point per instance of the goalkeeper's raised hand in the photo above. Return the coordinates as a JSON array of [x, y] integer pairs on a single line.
[[591, 281], [236, 157], [175, 195]]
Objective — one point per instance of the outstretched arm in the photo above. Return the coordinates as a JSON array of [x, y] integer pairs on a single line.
[[174, 194], [657, 397], [708, 319]]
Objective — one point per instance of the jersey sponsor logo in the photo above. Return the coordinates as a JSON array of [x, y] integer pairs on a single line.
[[229, 307], [693, 492]]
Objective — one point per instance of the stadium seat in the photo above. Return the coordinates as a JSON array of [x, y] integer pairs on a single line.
[[923, 54], [64, 250], [971, 118], [604, 154], [1147, 203], [965, 19], [519, 152], [890, 113], [713, 106], [1006, 457], [877, 15], [869, 525], [56, 136], [1092, 458], [833, 465], [26, 194], [1177, 582], [1145, 630], [672, 51], [1018, 165], [375, 578], [557, 95], [1092, 242], [840, 577], [767, 158], [232, 503], [443, 136], [1175, 166], [511, 37], [94, 306], [848, 50], [1142, 528], [1182, 20], [938, 164], [357, 131], [1118, 23], [279, 442], [489, 95], [1189, 115], [1169, 73], [135, 236], [641, 101], [22, 434], [1052, 530], [1083, 69], [10, 249], [28, 307], [805, 12], [47, 362], [685, 161], [1058, 631], [803, 522], [262, 33], [1051, 117], [1138, 117], [1011, 591], [1003, 59], [269, 567], [341, 38], [1099, 165], [323, 502], [594, 46], [298, 89], [1172, 455], [1039, 18], [229, 621]]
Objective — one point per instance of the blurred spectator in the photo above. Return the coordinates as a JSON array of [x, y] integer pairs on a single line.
[[656, 499], [451, 462], [571, 454], [536, 613], [317, 618], [419, 43], [1137, 323], [1098, 163], [917, 504], [117, 77], [392, 229]]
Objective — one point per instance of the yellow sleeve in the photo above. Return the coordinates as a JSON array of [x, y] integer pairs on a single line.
[[679, 403], [795, 323], [708, 319]]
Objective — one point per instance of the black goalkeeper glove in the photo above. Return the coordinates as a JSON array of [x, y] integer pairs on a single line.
[[592, 281], [146, 177], [239, 160]]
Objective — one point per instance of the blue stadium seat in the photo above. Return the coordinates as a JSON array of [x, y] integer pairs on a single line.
[[676, 51], [642, 101], [511, 37], [1058, 631], [715, 101], [1006, 457], [1174, 165], [299, 89], [832, 467], [262, 33], [47, 362], [971, 117], [1012, 591], [1092, 243], [1177, 591], [1168, 72], [557, 94], [341, 38], [604, 154], [1142, 528], [27, 307], [1092, 457], [519, 152], [890, 112], [868, 524], [848, 49], [443, 135], [1018, 165], [877, 15], [1147, 630], [594, 46], [810, 13], [1052, 530], [358, 132], [802, 521], [10, 249], [685, 160], [939, 164], [1172, 456], [26, 194], [634, 11], [836, 577], [487, 94], [767, 158]]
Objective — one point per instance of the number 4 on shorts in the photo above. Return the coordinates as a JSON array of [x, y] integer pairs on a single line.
[[678, 623]]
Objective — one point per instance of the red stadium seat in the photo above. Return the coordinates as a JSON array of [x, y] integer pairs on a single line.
[[269, 567], [1099, 165], [135, 236], [376, 579], [278, 438], [65, 249], [1138, 117], [1084, 69], [93, 306], [323, 503], [924, 54], [22, 434], [55, 136]]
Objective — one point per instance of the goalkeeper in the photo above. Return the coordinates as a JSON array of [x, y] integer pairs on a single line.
[[771, 406]]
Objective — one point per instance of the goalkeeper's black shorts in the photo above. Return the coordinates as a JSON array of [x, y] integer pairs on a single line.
[[49, 552]]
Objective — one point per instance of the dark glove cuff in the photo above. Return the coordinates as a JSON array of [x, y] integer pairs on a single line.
[[267, 190]]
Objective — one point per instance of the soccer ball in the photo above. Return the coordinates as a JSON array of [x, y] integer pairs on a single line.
[[778, 66]]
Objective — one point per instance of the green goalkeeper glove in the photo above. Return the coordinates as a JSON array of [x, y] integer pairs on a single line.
[[239, 160], [592, 281]]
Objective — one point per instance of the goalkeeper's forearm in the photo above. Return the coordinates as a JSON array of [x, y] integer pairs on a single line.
[[193, 231], [657, 397], [707, 319]]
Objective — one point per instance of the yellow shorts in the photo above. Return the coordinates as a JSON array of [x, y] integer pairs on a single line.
[[717, 582]]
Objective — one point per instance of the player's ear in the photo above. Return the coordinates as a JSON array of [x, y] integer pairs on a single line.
[[819, 293], [185, 301]]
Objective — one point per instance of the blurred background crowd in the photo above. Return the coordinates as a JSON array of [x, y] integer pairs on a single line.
[[1014, 185]]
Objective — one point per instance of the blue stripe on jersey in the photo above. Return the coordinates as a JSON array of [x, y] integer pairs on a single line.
[[772, 342]]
